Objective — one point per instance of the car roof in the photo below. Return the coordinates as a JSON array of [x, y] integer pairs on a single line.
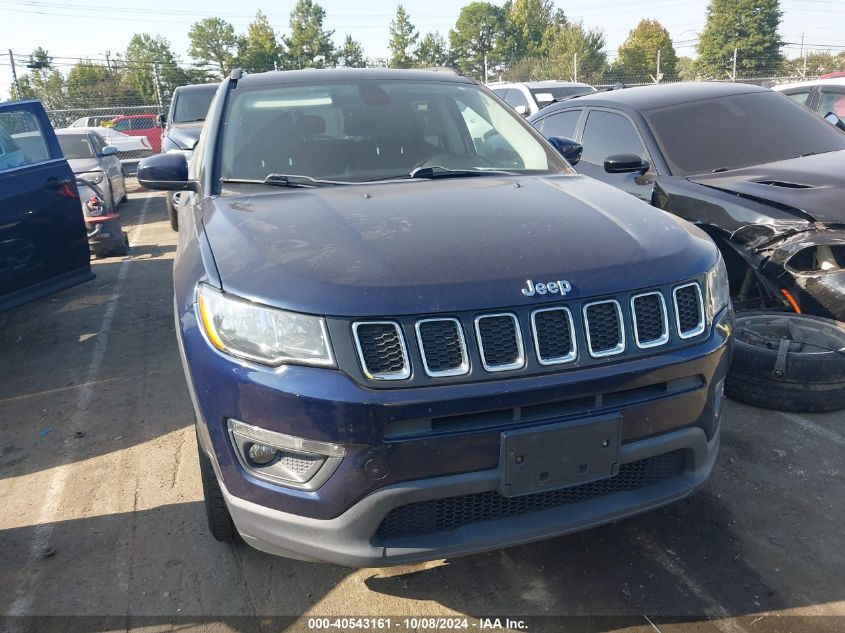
[[196, 87], [275, 77], [833, 81], [657, 96], [552, 83], [71, 131]]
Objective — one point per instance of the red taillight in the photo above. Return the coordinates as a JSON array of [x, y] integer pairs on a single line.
[[68, 190], [93, 201]]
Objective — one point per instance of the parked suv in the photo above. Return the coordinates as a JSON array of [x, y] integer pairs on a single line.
[[529, 97], [406, 341], [145, 125], [182, 126]]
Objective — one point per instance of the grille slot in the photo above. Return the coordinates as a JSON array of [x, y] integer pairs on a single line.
[[603, 324], [381, 350], [554, 336], [442, 347], [441, 515], [689, 310], [500, 342], [651, 325]]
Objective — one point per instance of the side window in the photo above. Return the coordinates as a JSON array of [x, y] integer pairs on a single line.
[[97, 142], [21, 140], [561, 124], [122, 125], [143, 123], [832, 102], [515, 98], [606, 134], [799, 96]]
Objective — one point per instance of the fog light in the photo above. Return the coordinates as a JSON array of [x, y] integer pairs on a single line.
[[261, 454]]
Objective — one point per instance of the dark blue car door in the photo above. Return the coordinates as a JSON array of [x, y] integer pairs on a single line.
[[43, 243]]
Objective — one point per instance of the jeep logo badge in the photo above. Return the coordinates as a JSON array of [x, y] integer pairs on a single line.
[[551, 287]]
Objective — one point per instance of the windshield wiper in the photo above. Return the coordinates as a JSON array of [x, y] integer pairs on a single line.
[[438, 171], [296, 180]]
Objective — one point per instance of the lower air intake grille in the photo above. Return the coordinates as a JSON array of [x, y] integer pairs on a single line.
[[604, 328], [381, 350], [499, 340], [650, 319], [689, 310], [441, 515]]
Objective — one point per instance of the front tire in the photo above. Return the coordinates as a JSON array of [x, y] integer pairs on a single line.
[[220, 522], [172, 211]]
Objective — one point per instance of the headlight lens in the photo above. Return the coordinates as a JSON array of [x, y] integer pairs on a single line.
[[718, 288], [92, 176], [266, 335]]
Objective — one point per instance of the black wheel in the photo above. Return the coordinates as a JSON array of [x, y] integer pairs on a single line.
[[789, 362], [172, 214], [123, 249], [219, 520]]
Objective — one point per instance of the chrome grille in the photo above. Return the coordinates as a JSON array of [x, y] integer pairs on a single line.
[[689, 310], [381, 350], [554, 335], [651, 326], [603, 323], [442, 347], [499, 341]]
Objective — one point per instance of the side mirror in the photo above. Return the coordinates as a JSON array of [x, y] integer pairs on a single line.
[[570, 150], [109, 150], [625, 164], [521, 110], [165, 172], [162, 119], [834, 120]]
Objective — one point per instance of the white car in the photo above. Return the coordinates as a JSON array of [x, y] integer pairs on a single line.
[[822, 95], [92, 121], [130, 149], [529, 96]]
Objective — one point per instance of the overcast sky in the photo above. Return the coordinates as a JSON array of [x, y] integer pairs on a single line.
[[90, 28]]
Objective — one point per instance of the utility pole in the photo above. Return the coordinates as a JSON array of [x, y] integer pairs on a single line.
[[485, 67], [15, 75], [733, 78], [158, 89], [657, 76], [108, 62], [575, 67]]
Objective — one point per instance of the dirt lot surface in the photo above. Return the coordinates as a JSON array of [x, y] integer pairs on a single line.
[[102, 522]]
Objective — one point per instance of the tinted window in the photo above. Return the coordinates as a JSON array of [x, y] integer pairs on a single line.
[[143, 123], [76, 146], [369, 130], [737, 131], [122, 125], [192, 105], [799, 96], [561, 124], [21, 140], [607, 134], [832, 102]]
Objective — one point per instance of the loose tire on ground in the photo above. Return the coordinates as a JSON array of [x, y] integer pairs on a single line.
[[219, 520], [807, 375]]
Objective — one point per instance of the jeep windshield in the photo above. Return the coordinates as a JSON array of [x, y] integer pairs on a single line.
[[369, 130]]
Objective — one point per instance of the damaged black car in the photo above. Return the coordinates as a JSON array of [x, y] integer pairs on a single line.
[[762, 175]]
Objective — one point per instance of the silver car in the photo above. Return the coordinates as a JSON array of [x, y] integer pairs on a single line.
[[91, 159]]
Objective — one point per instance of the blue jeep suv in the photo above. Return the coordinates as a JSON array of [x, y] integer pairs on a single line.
[[411, 331]]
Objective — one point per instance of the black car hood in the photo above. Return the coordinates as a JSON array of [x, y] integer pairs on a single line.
[[445, 245], [185, 135], [813, 185]]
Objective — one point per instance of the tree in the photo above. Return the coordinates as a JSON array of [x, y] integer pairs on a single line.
[[575, 53], [258, 48], [43, 82], [213, 43], [532, 23], [686, 69], [475, 37], [89, 84], [748, 26], [403, 36], [432, 51], [818, 63], [638, 54], [151, 67], [351, 53], [309, 45]]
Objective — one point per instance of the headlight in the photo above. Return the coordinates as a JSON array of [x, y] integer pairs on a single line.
[[265, 335], [92, 176], [718, 288]]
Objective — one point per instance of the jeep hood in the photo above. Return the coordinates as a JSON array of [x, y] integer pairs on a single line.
[[443, 245], [814, 186], [185, 135]]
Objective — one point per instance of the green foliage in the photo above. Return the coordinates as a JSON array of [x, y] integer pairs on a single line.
[[403, 36], [145, 56], [532, 24], [258, 48], [476, 35], [750, 27], [213, 43], [89, 83], [638, 54], [818, 63], [45, 83], [575, 54], [351, 53], [686, 69], [433, 51], [309, 45]]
